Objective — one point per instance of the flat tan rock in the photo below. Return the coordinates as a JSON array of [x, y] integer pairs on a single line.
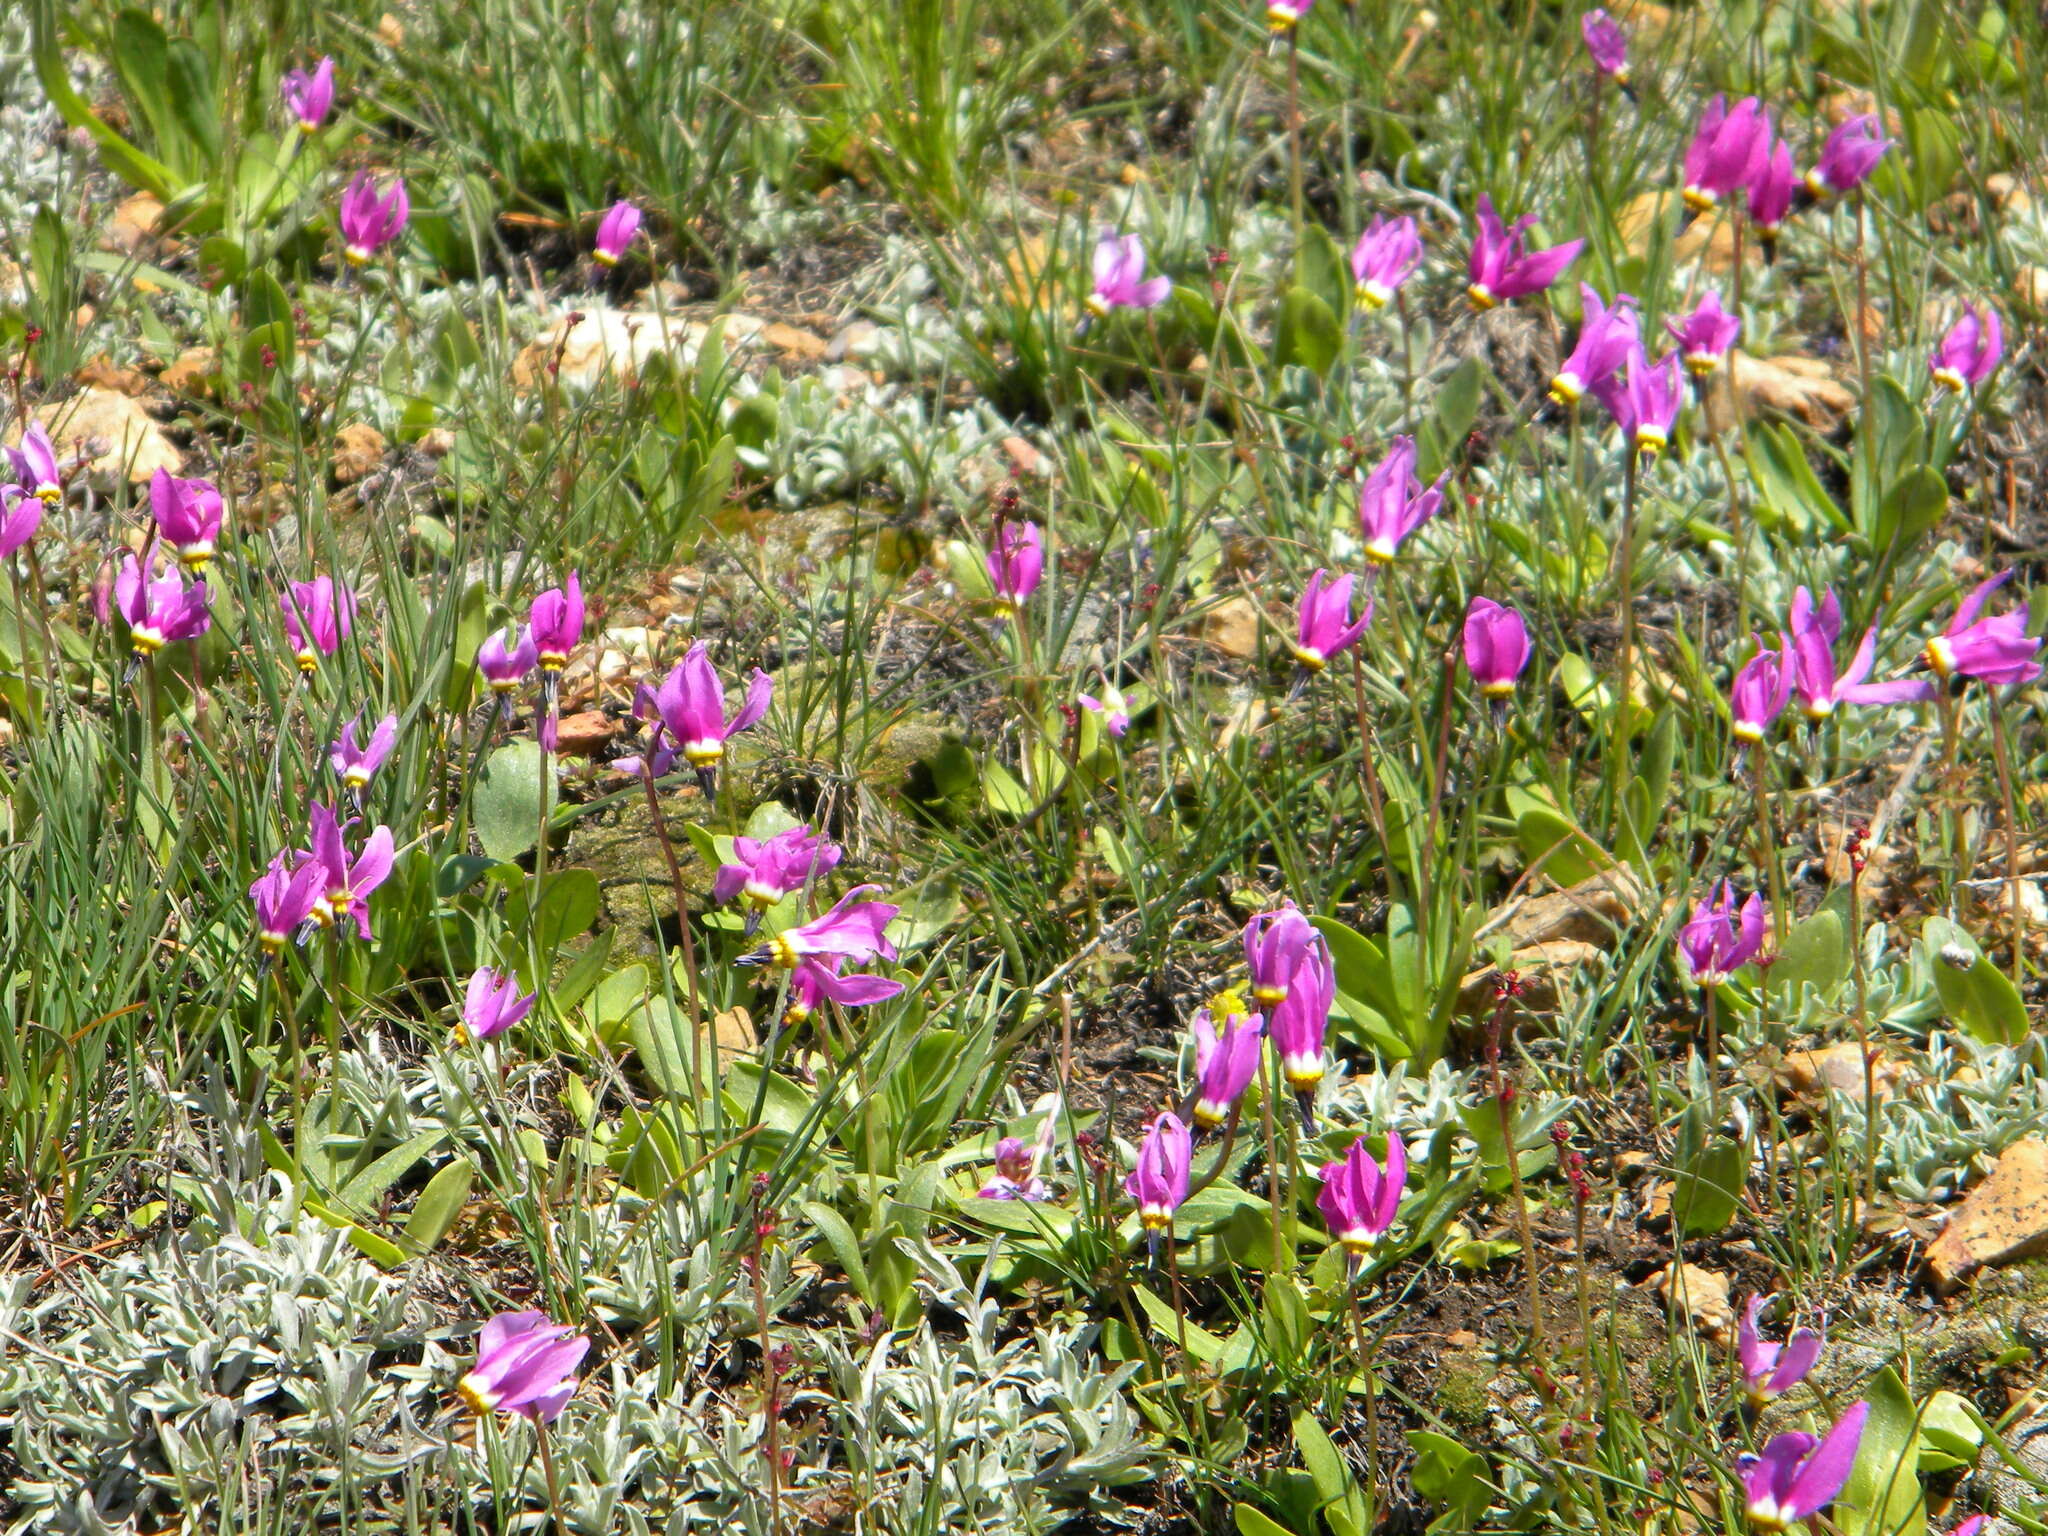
[[582, 734], [1804, 387], [1541, 969], [132, 229], [190, 373], [358, 451], [1839, 1069], [123, 440], [2001, 1221], [1592, 912], [793, 341], [1232, 626], [1702, 1292], [1708, 236], [587, 346]]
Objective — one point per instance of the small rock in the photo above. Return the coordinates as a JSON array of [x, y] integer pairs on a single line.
[[859, 340], [1839, 1069], [1232, 626], [1631, 1165], [792, 342], [437, 442], [1541, 970], [1462, 1338], [1024, 459], [1804, 387], [133, 228], [2001, 1221], [102, 373], [390, 31], [358, 450], [582, 734], [191, 373], [1640, 220], [1592, 912], [125, 443], [846, 381], [594, 344], [1702, 1292]]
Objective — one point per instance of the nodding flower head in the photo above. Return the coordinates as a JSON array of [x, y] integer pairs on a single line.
[[1298, 1023], [1120, 281], [1018, 1161], [1283, 16], [1969, 351], [1851, 153], [1325, 627], [355, 764], [1160, 1181], [817, 977], [1769, 1369], [505, 666], [555, 622], [1653, 397], [1705, 335], [615, 232], [1770, 194], [1392, 502], [21, 514], [35, 465], [690, 706], [1726, 152], [309, 97], [285, 895], [1226, 1060], [1719, 940], [524, 1365], [1607, 44], [1798, 1476], [161, 609], [853, 930], [1360, 1195], [1110, 706], [1814, 678], [348, 881], [1386, 255], [1759, 693], [369, 221], [188, 514], [766, 871], [1606, 336], [318, 616], [1496, 647], [1275, 943], [1500, 270], [1997, 650], [491, 1005]]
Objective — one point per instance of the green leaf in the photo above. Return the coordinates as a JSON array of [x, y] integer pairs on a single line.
[[1202, 1344], [1288, 1327], [568, 906], [506, 802], [439, 1206], [1324, 270], [1788, 492], [53, 72], [1912, 506], [1327, 1469], [1707, 1191], [1001, 791], [1250, 1522], [1980, 998], [1307, 333], [1816, 950], [380, 1251], [265, 303], [1949, 1436], [365, 1189], [1457, 402], [839, 1237], [1882, 1496]]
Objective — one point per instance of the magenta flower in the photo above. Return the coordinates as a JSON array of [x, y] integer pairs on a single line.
[[852, 930], [355, 764], [1705, 335], [1770, 196], [368, 221], [1225, 1063], [1758, 695], [690, 708], [1275, 944], [318, 616], [1113, 708], [1496, 648], [1606, 337], [524, 1364], [1969, 351], [615, 232], [35, 465], [817, 977], [1727, 151], [504, 666], [1995, 650], [767, 870], [21, 514], [1500, 270], [1325, 628], [1160, 1181], [1285, 15], [1018, 1161], [1798, 1476], [1120, 281], [1814, 679], [1298, 1022], [1392, 502], [1386, 255], [348, 881], [555, 625], [1016, 563], [161, 609], [1607, 43], [1360, 1196], [1847, 159], [310, 97], [1645, 400], [187, 514], [1769, 1369], [491, 1005], [1717, 941], [285, 895]]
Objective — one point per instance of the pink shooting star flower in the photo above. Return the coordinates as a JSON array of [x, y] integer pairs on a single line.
[[161, 609], [285, 895], [1016, 564], [1717, 940], [1997, 651], [1120, 281], [1969, 351], [1814, 679], [1496, 650], [21, 514], [1325, 627], [1705, 336], [1226, 1061], [491, 1005], [368, 221], [555, 625], [1798, 1476], [1392, 503], [1727, 151], [525, 1365], [309, 97], [35, 465], [1759, 693], [1160, 1181], [188, 514], [1113, 709], [1606, 337], [1770, 197], [1018, 1161], [1607, 45], [1645, 400], [1283, 16], [1385, 257], [690, 708], [1360, 1196], [1770, 1369], [349, 881], [1971, 1526], [767, 871], [1499, 269], [505, 666], [318, 616], [852, 930], [1275, 945], [1298, 1023], [615, 232], [1847, 159], [355, 764], [817, 977]]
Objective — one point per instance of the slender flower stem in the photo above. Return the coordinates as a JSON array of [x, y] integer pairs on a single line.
[[1863, 1029], [547, 1467], [675, 875], [2002, 752], [1767, 845], [1374, 1478], [1624, 706], [1281, 1250], [1294, 142], [771, 1408]]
